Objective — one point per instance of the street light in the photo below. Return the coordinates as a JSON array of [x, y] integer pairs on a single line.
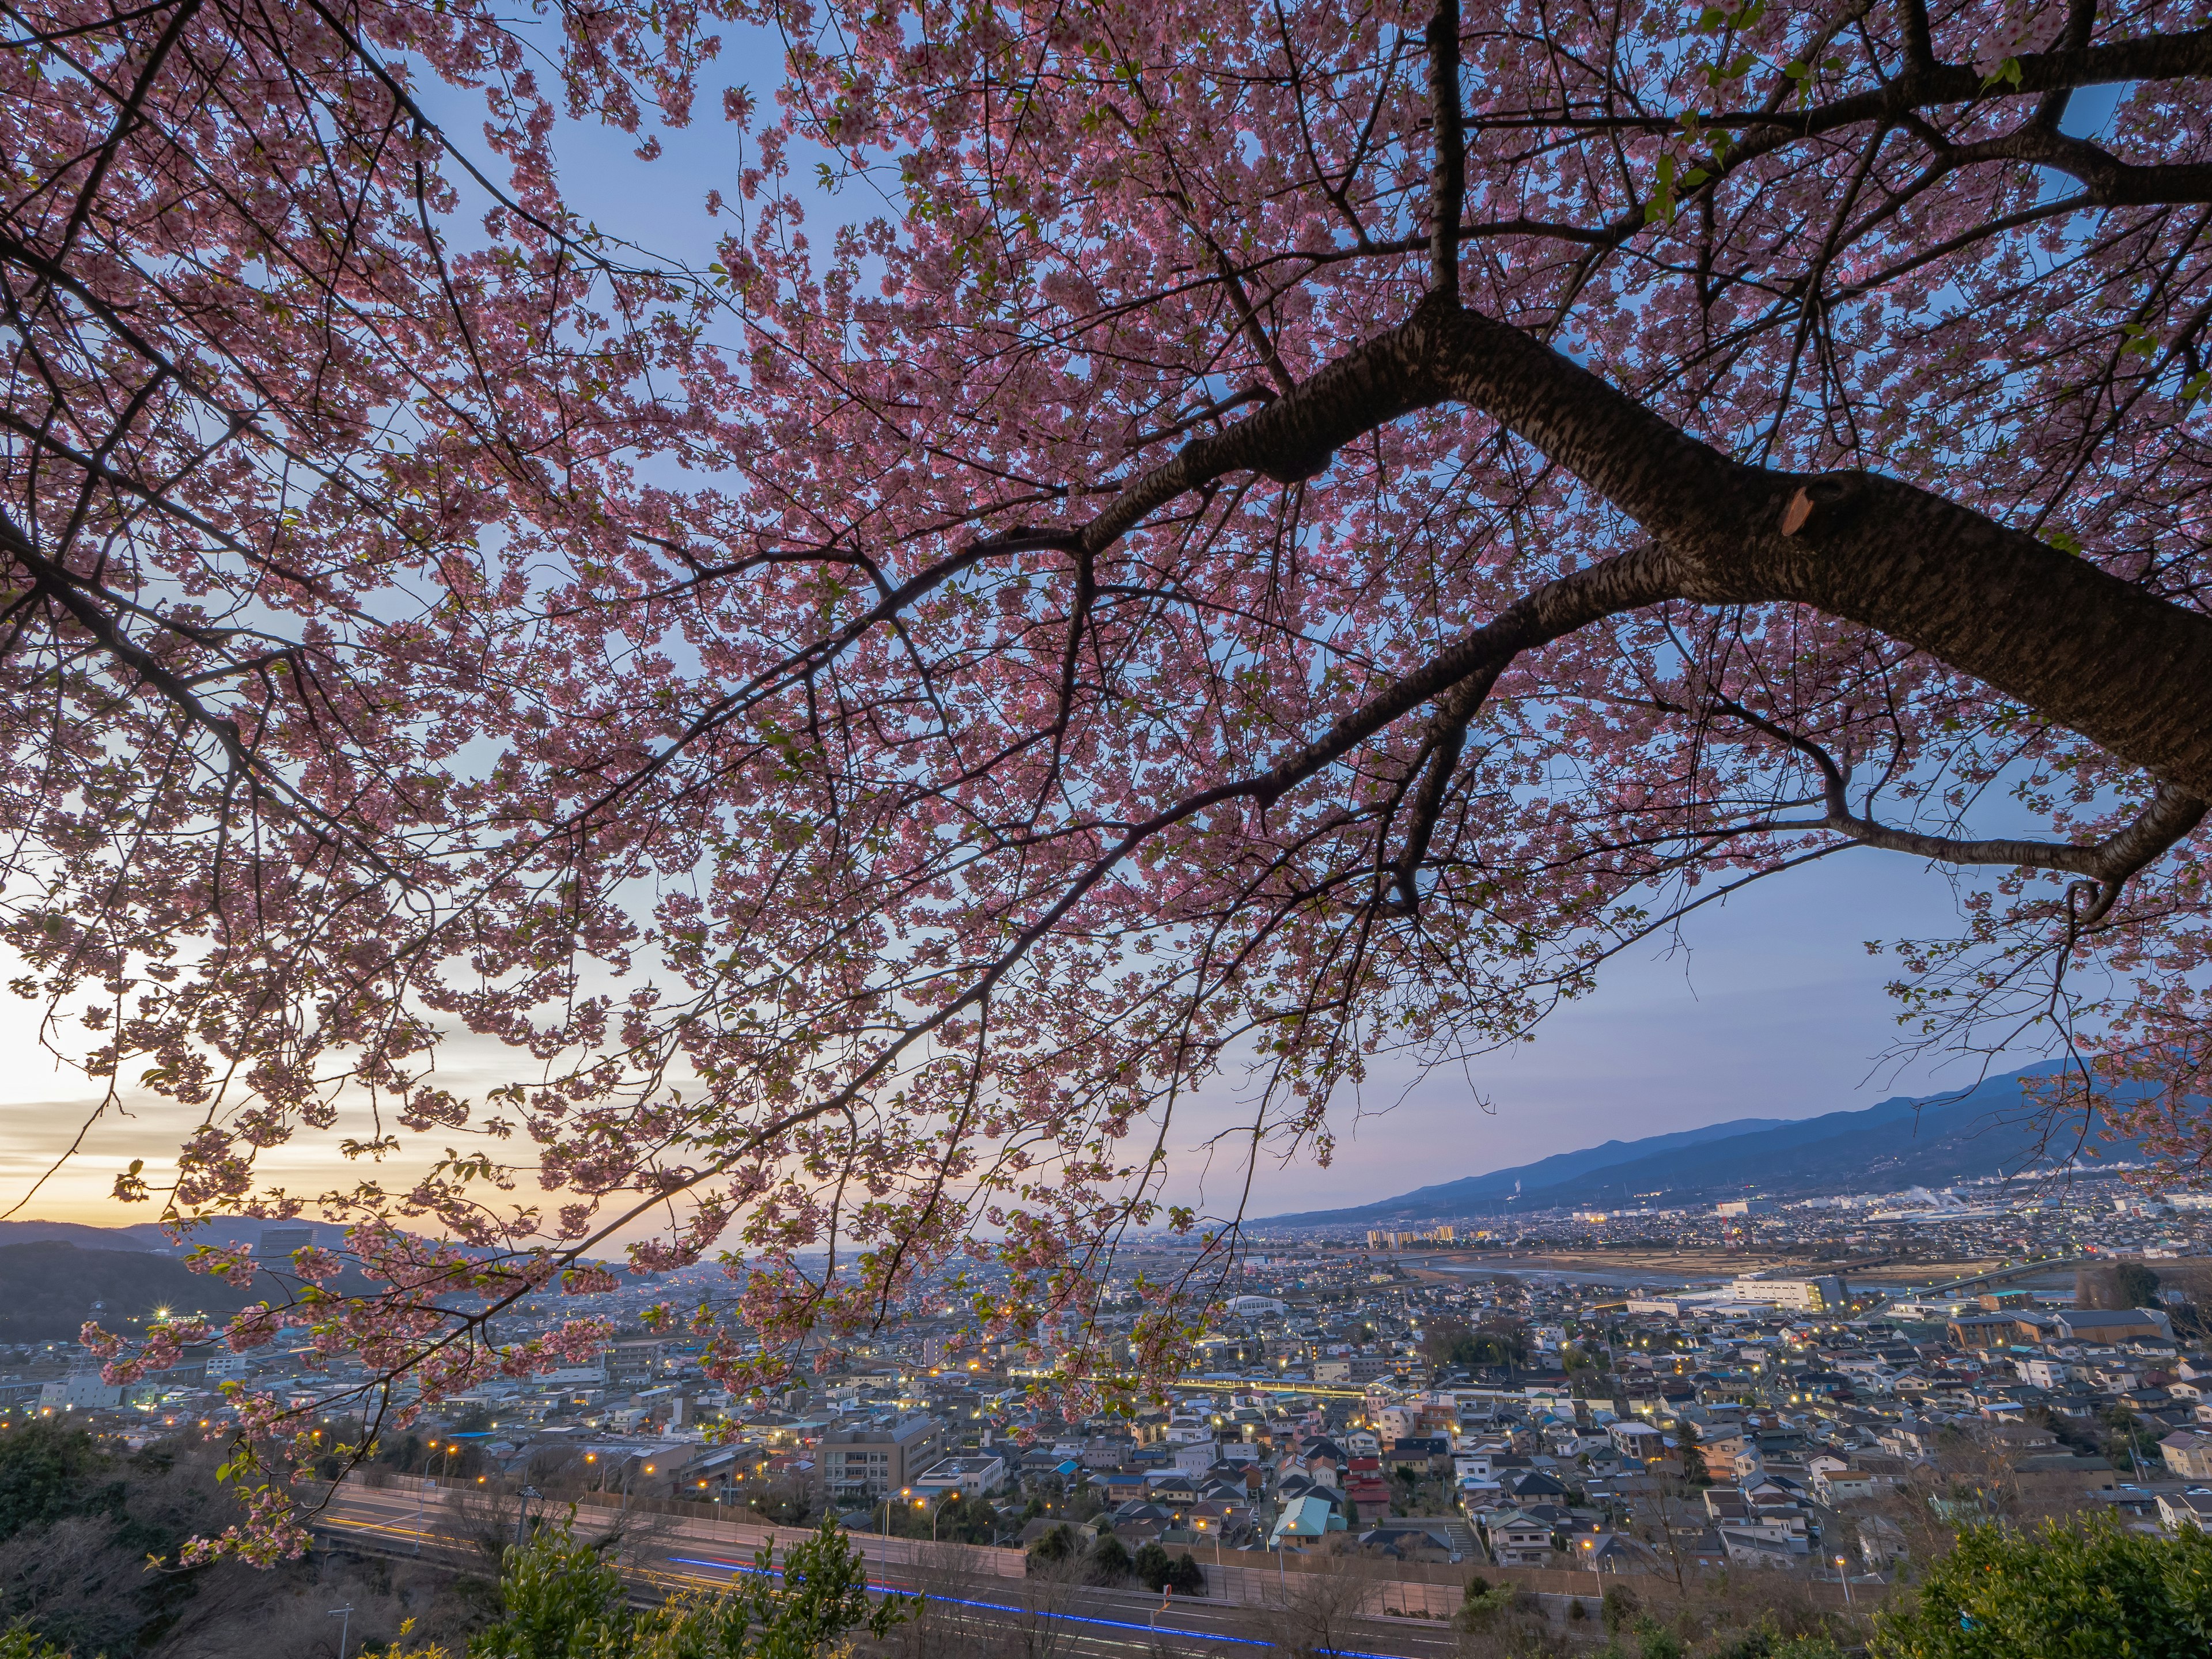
[[344, 1616], [1842, 1572]]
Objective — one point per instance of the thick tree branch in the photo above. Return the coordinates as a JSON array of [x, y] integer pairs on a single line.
[[1448, 174], [2126, 668], [2110, 181], [2186, 56], [1919, 44], [1447, 737], [2080, 25], [1551, 612]]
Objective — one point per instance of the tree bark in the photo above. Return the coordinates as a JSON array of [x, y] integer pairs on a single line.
[[2125, 668]]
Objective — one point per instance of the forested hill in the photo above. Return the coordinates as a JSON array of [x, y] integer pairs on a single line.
[[50, 1288]]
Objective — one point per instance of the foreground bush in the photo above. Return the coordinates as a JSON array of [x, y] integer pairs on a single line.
[[2058, 1592], [564, 1599], [561, 1598]]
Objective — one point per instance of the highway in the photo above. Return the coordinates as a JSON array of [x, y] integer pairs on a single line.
[[2030, 1269], [669, 1553]]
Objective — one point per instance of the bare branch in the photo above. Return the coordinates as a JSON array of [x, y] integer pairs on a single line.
[[2171, 814]]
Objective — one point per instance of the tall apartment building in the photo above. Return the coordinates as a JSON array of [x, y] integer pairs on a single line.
[[637, 1361], [868, 1461], [1380, 1239]]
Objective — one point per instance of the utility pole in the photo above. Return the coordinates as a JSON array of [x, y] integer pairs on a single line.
[[522, 1515]]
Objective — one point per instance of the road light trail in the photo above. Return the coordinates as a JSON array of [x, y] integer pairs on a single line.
[[1065, 1618]]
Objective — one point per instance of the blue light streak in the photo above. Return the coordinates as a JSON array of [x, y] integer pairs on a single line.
[[1068, 1617]]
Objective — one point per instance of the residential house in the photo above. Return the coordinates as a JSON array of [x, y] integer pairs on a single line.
[[1635, 1439], [1518, 1539], [1834, 1487], [2188, 1453], [1425, 1455], [2193, 1508], [1303, 1522], [1366, 1485]]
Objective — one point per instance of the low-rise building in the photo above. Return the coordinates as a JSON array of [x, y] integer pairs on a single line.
[[1834, 1487], [84, 1392], [972, 1477], [1305, 1521]]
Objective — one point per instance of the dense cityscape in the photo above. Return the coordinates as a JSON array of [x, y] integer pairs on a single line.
[[1660, 1394]]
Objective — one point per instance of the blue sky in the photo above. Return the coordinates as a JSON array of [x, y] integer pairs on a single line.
[[1773, 1009]]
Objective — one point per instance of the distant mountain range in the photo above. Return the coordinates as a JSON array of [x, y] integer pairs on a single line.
[[149, 1235], [1927, 1140]]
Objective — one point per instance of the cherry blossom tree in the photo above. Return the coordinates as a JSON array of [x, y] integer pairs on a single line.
[[1292, 532]]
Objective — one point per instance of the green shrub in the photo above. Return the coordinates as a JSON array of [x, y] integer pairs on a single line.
[[563, 1600], [1618, 1608], [1110, 1563], [2058, 1592]]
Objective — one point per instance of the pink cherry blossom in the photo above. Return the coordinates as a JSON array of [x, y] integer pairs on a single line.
[[1292, 533]]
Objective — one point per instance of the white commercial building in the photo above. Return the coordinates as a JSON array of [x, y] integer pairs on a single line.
[[1245, 1307], [84, 1392], [1823, 1294], [972, 1477]]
